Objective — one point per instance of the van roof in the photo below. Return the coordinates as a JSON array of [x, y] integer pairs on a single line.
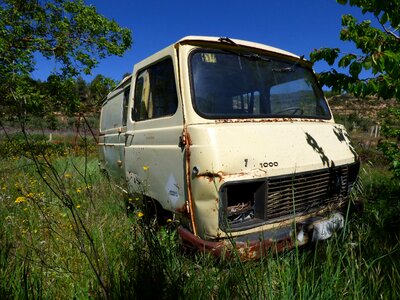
[[191, 38]]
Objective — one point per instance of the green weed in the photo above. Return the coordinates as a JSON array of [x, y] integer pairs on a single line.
[[65, 233]]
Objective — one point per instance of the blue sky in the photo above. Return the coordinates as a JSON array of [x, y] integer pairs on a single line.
[[298, 26]]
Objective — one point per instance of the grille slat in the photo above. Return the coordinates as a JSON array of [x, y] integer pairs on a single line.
[[306, 192], [289, 181], [312, 201], [300, 191]]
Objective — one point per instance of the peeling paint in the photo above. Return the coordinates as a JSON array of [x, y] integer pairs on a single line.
[[219, 175]]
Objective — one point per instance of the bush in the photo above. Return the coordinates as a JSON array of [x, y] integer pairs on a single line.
[[18, 144]]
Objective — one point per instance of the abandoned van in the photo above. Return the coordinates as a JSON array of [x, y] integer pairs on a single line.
[[236, 140]]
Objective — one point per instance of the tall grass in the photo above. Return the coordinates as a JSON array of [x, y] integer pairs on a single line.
[[46, 253]]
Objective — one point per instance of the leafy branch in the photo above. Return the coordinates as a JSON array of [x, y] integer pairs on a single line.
[[379, 58]]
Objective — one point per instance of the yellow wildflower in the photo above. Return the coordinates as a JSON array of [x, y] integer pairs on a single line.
[[79, 190], [20, 199], [169, 220], [30, 195], [140, 214], [78, 206], [67, 175], [145, 168]]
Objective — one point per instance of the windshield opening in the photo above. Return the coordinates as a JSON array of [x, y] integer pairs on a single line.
[[229, 85]]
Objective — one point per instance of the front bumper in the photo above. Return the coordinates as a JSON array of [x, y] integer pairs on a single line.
[[259, 244]]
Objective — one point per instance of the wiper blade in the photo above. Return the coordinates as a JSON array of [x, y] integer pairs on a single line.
[[246, 54], [292, 68], [227, 41], [254, 56]]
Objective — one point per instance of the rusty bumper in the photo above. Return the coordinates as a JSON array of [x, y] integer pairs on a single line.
[[259, 244], [231, 247]]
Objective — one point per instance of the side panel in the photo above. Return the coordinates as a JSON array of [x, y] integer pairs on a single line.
[[112, 133]]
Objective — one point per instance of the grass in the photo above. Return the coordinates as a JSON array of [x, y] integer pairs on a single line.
[[65, 233]]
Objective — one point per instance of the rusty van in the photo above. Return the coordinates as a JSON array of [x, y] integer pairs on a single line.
[[234, 139]]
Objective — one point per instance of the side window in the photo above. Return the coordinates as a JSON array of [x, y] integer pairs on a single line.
[[125, 103], [114, 111], [155, 92]]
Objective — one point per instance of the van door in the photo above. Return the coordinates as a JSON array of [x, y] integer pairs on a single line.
[[154, 158], [112, 132]]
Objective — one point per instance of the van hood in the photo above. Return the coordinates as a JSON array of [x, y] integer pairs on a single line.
[[261, 149]]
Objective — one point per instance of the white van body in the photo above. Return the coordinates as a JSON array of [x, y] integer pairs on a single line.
[[235, 139]]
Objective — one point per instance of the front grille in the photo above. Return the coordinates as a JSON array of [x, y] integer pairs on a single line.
[[247, 204], [303, 193]]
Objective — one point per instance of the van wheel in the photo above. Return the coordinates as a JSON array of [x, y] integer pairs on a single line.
[[153, 212], [105, 174]]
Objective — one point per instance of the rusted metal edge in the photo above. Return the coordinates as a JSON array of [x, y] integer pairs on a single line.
[[271, 120], [230, 248], [187, 143], [211, 176]]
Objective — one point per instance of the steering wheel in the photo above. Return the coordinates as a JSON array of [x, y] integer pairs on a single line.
[[293, 108]]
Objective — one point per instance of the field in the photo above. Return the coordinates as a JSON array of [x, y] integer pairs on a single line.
[[66, 233]]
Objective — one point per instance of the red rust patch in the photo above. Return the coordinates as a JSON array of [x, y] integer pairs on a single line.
[[210, 176], [220, 175], [269, 120], [244, 250]]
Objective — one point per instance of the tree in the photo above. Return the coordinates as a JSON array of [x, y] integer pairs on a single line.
[[61, 94], [99, 88], [379, 55], [68, 31]]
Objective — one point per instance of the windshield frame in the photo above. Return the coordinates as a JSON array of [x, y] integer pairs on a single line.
[[252, 54]]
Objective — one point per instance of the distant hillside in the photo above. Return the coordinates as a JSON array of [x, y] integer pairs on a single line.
[[369, 107]]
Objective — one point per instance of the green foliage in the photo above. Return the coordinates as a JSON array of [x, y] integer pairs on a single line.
[[390, 146], [98, 90], [18, 145], [379, 54], [67, 31], [44, 253]]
